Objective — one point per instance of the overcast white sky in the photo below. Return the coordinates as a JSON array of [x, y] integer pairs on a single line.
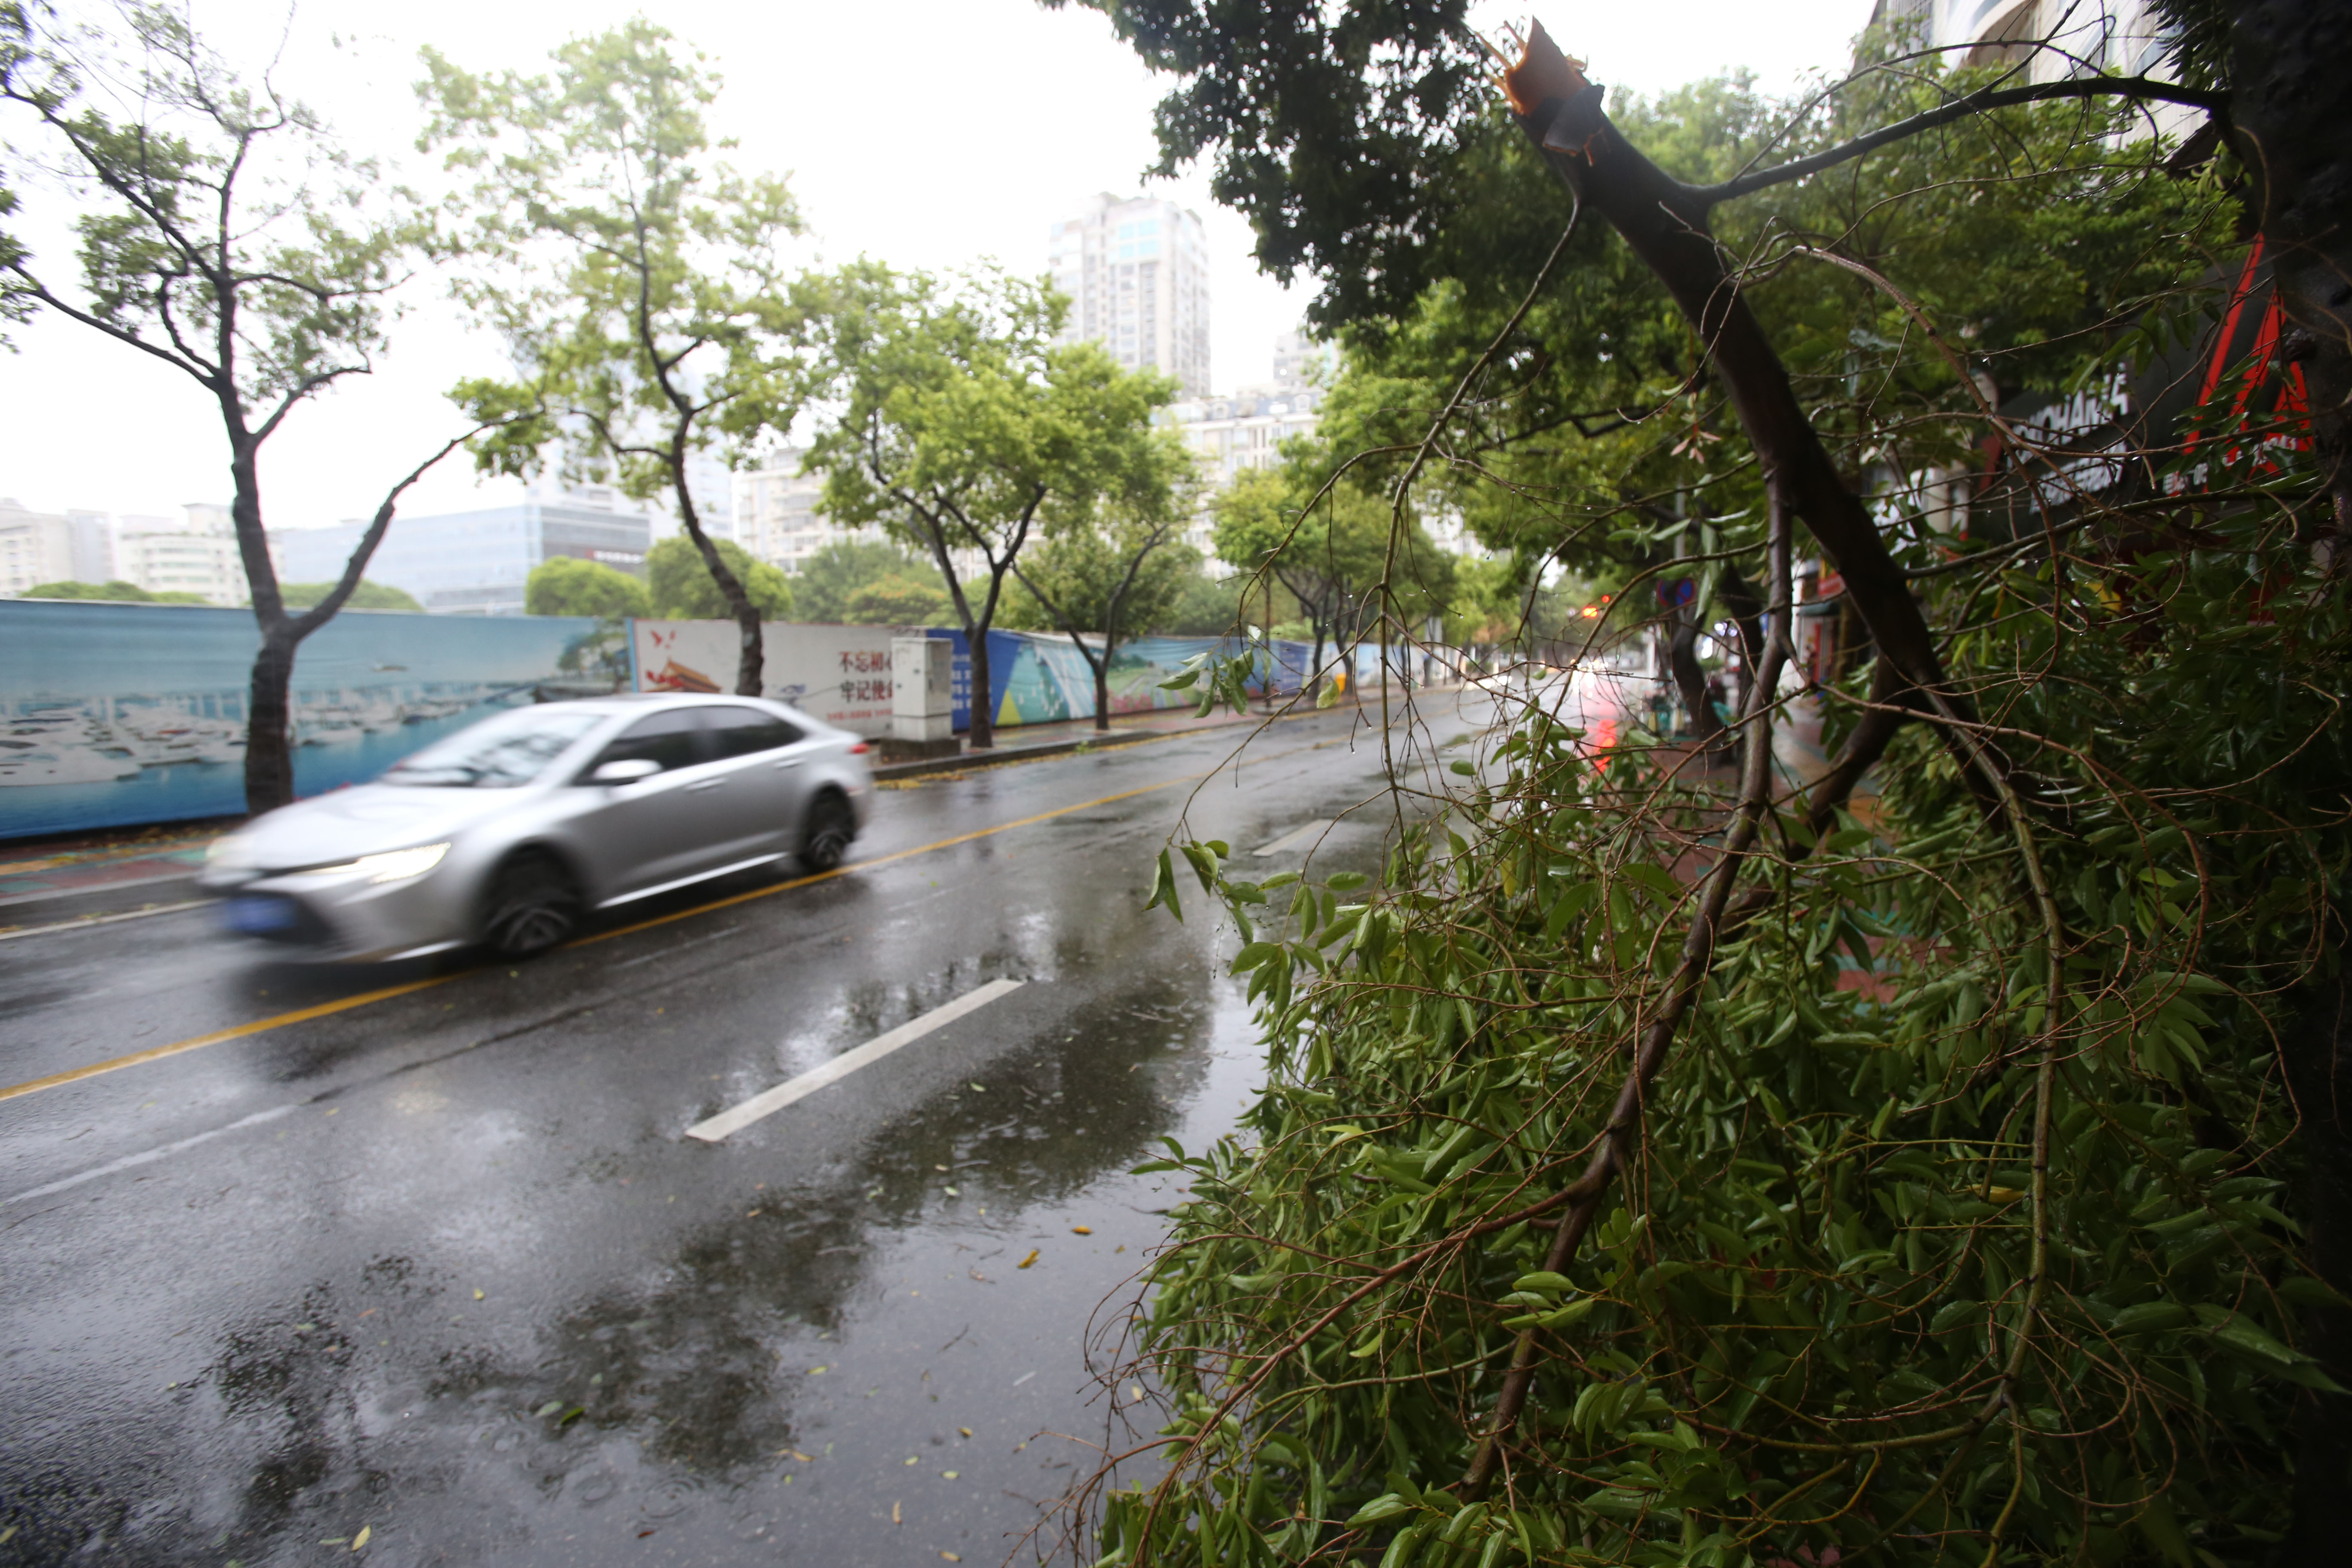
[[1047, 107]]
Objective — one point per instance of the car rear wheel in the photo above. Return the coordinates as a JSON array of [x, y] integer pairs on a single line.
[[826, 836], [533, 906]]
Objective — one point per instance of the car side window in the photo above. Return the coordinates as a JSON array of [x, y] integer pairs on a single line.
[[746, 731], [671, 739]]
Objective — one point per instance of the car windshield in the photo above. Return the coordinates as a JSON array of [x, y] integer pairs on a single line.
[[501, 753]]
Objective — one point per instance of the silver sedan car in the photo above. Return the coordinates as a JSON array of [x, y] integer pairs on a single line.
[[509, 833]]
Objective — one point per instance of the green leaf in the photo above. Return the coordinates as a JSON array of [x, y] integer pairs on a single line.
[[2152, 1317], [1163, 888]]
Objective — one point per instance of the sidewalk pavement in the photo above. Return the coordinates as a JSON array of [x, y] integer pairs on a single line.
[[105, 872], [1027, 740]]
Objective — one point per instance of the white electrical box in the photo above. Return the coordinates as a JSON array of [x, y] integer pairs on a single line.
[[922, 694]]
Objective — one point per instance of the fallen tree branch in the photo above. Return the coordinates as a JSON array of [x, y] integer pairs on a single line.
[[1615, 1152], [1664, 223]]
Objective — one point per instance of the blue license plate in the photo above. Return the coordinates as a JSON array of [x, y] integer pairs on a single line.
[[257, 916]]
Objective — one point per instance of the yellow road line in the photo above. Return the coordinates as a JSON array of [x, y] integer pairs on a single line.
[[365, 998], [74, 1075]]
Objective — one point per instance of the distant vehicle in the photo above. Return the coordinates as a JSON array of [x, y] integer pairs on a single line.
[[508, 834]]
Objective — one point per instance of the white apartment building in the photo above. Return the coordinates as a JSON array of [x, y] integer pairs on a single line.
[[1136, 272], [2125, 38], [37, 547], [198, 555], [1299, 362], [779, 516], [1246, 428], [195, 553]]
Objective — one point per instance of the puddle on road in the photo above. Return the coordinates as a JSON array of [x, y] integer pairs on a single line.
[[802, 1375]]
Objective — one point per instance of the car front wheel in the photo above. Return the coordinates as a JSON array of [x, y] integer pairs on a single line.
[[826, 836], [533, 906]]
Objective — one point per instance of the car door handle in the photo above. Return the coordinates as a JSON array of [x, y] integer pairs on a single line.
[[788, 762], [706, 783]]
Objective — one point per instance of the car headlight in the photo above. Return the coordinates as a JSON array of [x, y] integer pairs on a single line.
[[391, 865], [229, 853]]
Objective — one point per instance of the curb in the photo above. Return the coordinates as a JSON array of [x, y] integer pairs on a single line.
[[1000, 756], [996, 757]]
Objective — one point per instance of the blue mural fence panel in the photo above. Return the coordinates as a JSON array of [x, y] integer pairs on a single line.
[[1036, 679], [113, 715]]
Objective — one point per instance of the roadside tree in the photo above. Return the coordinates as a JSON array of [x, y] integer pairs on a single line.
[[566, 586], [679, 588], [225, 232], [365, 595], [116, 589], [859, 582], [1329, 546], [1116, 567], [642, 290], [957, 422], [1206, 606]]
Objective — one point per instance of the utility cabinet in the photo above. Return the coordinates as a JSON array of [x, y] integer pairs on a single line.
[[923, 703]]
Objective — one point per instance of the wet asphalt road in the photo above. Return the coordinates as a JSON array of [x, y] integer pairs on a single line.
[[444, 1268]]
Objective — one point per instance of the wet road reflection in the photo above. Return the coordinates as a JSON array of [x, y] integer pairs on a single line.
[[447, 1271]]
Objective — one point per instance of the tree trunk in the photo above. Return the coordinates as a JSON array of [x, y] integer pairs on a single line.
[[268, 748], [751, 664], [1101, 667], [268, 723], [1747, 609], [982, 735], [1682, 656], [2288, 61]]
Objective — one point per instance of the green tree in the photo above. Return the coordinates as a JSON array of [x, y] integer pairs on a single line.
[[1328, 548], [223, 232], [566, 586], [1117, 566], [1206, 606], [364, 595], [679, 588], [832, 580], [116, 589], [959, 422], [910, 598], [643, 294]]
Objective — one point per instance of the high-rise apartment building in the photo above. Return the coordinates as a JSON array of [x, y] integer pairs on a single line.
[[1136, 272], [1298, 361]]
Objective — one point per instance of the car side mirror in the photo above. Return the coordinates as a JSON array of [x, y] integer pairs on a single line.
[[626, 771]]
